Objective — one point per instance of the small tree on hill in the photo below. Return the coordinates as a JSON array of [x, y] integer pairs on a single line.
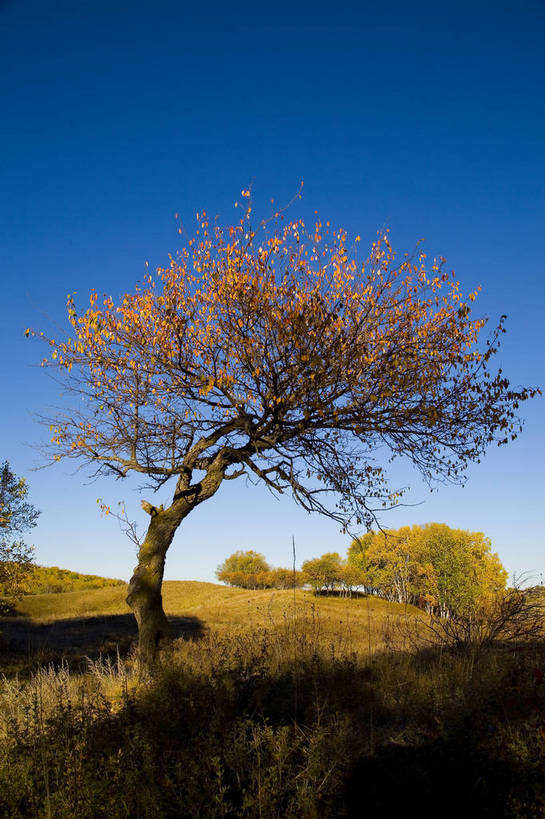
[[17, 516], [393, 564], [274, 352], [248, 570], [351, 578], [467, 576], [323, 572]]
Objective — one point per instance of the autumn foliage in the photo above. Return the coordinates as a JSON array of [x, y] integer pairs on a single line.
[[281, 339], [250, 570], [436, 567]]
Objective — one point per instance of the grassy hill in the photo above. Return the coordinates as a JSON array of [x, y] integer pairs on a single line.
[[75, 625], [217, 605], [267, 704]]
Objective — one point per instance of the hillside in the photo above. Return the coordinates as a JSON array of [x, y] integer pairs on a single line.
[[219, 607], [52, 579], [76, 625]]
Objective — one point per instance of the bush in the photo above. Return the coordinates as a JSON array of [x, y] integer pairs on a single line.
[[512, 617]]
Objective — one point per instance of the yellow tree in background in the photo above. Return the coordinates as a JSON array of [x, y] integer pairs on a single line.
[[275, 351], [467, 575], [446, 570]]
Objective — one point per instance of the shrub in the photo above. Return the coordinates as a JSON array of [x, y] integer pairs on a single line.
[[512, 617]]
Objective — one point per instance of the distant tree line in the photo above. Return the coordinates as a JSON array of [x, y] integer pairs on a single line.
[[19, 575], [435, 567], [52, 580]]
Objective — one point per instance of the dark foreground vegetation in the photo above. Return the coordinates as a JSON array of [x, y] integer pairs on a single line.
[[326, 708]]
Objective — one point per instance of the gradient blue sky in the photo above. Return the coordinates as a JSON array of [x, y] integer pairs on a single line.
[[428, 118]]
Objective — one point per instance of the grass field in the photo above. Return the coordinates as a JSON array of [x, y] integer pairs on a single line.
[[267, 704], [74, 626]]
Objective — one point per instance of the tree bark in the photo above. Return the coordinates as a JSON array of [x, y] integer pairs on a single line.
[[144, 596]]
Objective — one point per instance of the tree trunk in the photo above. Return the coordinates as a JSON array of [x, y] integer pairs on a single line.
[[144, 596]]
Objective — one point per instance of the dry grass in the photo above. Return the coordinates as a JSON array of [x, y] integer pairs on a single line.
[[219, 607], [45, 608], [267, 705], [74, 626]]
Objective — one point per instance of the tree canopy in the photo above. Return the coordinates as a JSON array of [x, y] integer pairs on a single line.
[[250, 562], [248, 570], [277, 352], [323, 572], [445, 569]]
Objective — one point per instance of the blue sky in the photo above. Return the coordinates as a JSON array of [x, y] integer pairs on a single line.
[[427, 118]]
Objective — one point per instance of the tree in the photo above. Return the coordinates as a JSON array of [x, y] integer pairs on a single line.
[[393, 564], [250, 570], [273, 352], [447, 570], [17, 516], [357, 551], [323, 572], [249, 562], [467, 575], [350, 578], [245, 569]]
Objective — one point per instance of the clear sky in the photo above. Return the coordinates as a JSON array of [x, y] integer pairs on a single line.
[[427, 118]]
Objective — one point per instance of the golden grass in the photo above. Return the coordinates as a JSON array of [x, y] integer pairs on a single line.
[[231, 623], [45, 608], [84, 626], [230, 610]]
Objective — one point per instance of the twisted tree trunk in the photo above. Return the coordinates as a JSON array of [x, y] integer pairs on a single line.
[[144, 595]]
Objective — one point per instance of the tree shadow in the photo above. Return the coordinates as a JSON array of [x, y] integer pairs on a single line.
[[25, 645], [464, 781]]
